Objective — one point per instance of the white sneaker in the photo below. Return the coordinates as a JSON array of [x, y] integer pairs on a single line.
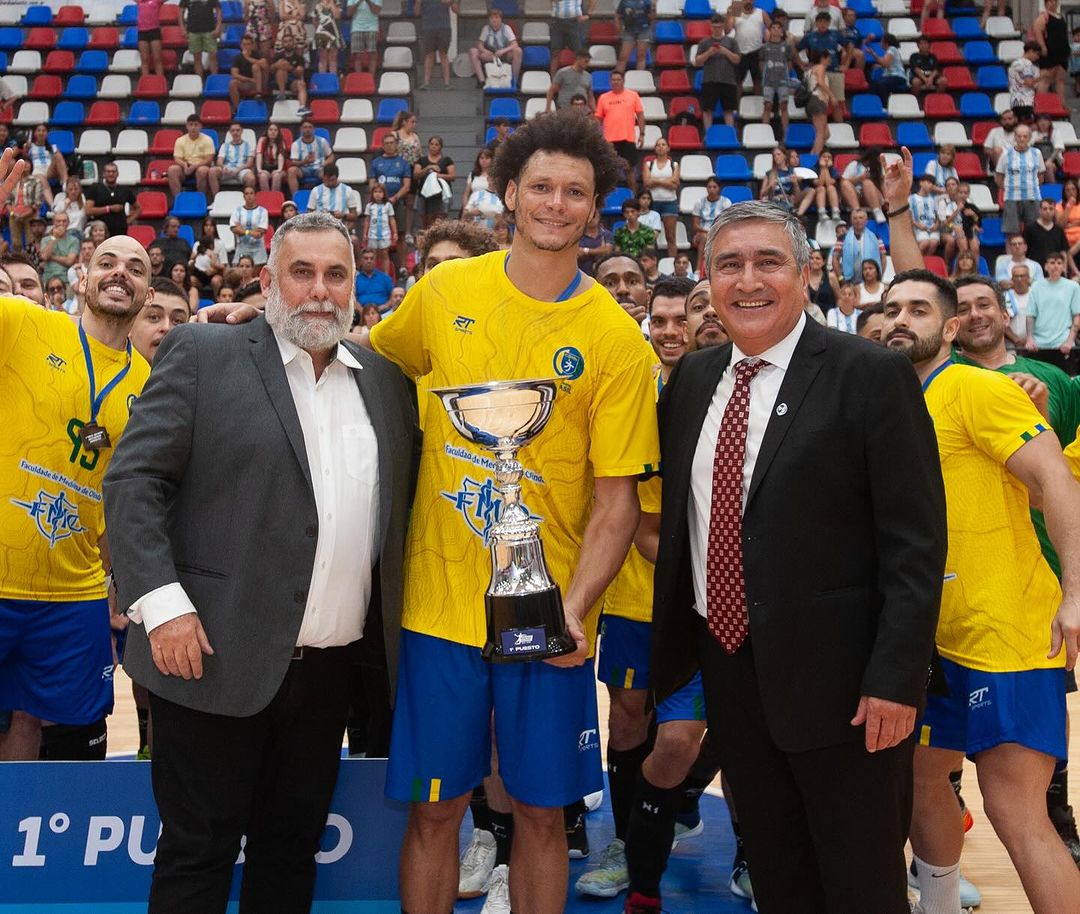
[[610, 877], [879, 216], [970, 896], [498, 897], [593, 801], [477, 863]]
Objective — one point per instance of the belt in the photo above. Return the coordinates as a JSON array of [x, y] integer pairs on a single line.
[[302, 651], [298, 653]]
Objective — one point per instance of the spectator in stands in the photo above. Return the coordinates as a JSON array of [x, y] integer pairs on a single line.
[[235, 162], [441, 167], [332, 197], [634, 19], [395, 174], [924, 70], [497, 44], [660, 176], [871, 289], [1016, 253], [1050, 144], [308, 156], [364, 34], [570, 81], [1019, 172], [623, 118], [483, 206], [73, 203], [844, 317], [893, 77], [683, 268], [373, 286], [35, 235], [751, 26], [1023, 81], [824, 192], [259, 24], [718, 56], [176, 249], [250, 72], [1052, 36], [781, 185], [60, 249], [397, 295], [632, 237], [822, 284], [111, 204], [169, 308], [249, 223], [972, 220], [705, 212], [180, 273], [380, 232], [1001, 137], [23, 204], [1074, 61], [203, 21], [447, 240], [208, 257], [1068, 217], [271, 158], [942, 168], [97, 232], [7, 141], [435, 38], [646, 214], [821, 100], [7, 97], [328, 40], [46, 161], [25, 279], [569, 22], [79, 269], [823, 6], [1053, 316], [861, 180], [777, 58], [193, 154], [370, 315], [410, 148], [290, 71], [56, 296], [950, 219], [245, 268], [860, 244], [1016, 302], [924, 216], [148, 28], [825, 38], [595, 244], [852, 55], [292, 20], [478, 177], [502, 131], [1044, 236]]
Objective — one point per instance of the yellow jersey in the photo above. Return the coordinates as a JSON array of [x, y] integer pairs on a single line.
[[999, 594], [466, 323], [51, 511]]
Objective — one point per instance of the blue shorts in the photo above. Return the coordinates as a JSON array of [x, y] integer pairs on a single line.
[[984, 710], [666, 207], [56, 659], [686, 704], [440, 747], [624, 653]]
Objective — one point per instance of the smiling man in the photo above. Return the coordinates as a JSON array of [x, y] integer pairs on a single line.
[[776, 448], [703, 327], [525, 313], [624, 277]]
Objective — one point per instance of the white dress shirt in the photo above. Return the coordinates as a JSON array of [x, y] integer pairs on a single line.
[[343, 459], [763, 391]]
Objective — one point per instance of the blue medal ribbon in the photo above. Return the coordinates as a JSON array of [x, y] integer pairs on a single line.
[[96, 399], [566, 293]]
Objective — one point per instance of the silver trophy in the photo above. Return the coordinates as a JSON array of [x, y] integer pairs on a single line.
[[525, 619]]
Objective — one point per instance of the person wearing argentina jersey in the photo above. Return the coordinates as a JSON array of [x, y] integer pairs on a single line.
[[249, 224], [1019, 172], [235, 162], [332, 197], [705, 212], [46, 161], [56, 659], [308, 154], [924, 215]]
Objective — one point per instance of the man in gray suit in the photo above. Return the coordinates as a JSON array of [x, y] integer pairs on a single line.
[[257, 510]]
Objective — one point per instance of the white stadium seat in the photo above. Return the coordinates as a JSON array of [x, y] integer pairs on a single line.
[[394, 83], [758, 136], [535, 33], [682, 240], [688, 196], [653, 106], [94, 143], [401, 33], [129, 172], [641, 81], [28, 62], [904, 106], [696, 167], [534, 106], [982, 197], [903, 29], [115, 86], [30, 114], [131, 143], [186, 85], [357, 111], [176, 113], [286, 112], [841, 136], [397, 58], [602, 56], [535, 82], [352, 170], [951, 132], [350, 139], [225, 202], [126, 60]]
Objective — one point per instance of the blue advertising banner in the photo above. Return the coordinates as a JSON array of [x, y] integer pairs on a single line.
[[79, 838]]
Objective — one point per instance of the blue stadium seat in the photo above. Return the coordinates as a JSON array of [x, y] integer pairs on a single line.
[[505, 107], [325, 84], [300, 198], [129, 40], [864, 9], [697, 9], [601, 81], [732, 168], [737, 193], [68, 114], [216, 85], [73, 39], [919, 161], [129, 15], [992, 236], [36, 16], [232, 11], [807, 160], [721, 136], [64, 140], [144, 113], [490, 135], [81, 86], [632, 62], [669, 32], [323, 132], [93, 62], [984, 267], [187, 233], [3, 61], [11, 38], [992, 79], [613, 202], [536, 57], [799, 136], [509, 8], [977, 53], [867, 106], [388, 109], [1051, 192], [232, 36], [225, 58], [768, 6], [870, 28], [251, 111], [977, 105], [967, 29], [953, 9], [881, 229], [214, 138], [914, 135], [189, 204]]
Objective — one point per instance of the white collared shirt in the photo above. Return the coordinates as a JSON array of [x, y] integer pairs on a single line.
[[343, 459], [763, 391]]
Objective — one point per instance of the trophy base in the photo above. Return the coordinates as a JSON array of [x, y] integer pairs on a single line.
[[526, 627]]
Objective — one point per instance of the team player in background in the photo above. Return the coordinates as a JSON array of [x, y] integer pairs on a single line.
[[67, 389]]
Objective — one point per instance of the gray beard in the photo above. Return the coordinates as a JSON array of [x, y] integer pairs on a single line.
[[290, 324]]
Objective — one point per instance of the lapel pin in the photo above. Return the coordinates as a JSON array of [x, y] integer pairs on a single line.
[[781, 409]]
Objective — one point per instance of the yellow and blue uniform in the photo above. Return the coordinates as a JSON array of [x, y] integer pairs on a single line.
[[55, 650], [999, 594], [466, 323]]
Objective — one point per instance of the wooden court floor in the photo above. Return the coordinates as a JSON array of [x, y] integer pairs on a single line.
[[984, 862]]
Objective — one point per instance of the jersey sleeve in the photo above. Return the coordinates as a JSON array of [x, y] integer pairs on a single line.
[[624, 440], [999, 416], [13, 312], [401, 337]]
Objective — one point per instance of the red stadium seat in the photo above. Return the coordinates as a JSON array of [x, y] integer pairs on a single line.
[[697, 30], [61, 62], [170, 14], [104, 114], [959, 79], [268, 237], [68, 15], [601, 32], [325, 111], [156, 172], [855, 81], [670, 55], [1071, 165], [144, 234], [359, 84], [681, 104], [947, 53], [152, 87], [170, 63], [271, 200], [40, 39], [1050, 103], [979, 130], [216, 113], [938, 104], [684, 139], [876, 135], [104, 38], [46, 88], [674, 82], [376, 137], [936, 264], [969, 167], [172, 36], [843, 159], [937, 29], [153, 204], [566, 57], [164, 142]]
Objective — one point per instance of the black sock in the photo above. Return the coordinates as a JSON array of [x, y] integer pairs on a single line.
[[954, 779], [1057, 794], [143, 715], [693, 787], [573, 814], [502, 827], [623, 766], [649, 834], [481, 814], [740, 851]]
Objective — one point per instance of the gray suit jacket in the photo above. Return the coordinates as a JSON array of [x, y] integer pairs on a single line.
[[210, 487]]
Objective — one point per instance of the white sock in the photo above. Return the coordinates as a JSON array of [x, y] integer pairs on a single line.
[[939, 887]]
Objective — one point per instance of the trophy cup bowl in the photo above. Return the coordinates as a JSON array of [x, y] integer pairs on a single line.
[[525, 619]]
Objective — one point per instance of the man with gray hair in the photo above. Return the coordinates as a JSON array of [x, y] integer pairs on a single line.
[[802, 548], [257, 523]]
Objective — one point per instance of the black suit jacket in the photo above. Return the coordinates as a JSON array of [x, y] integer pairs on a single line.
[[844, 536], [210, 487]]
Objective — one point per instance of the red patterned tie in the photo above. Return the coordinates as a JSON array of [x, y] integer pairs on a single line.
[[725, 589]]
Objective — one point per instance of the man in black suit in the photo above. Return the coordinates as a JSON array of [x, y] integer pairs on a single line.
[[257, 516], [800, 565]]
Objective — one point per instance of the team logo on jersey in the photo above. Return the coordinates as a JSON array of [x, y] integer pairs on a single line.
[[979, 698], [588, 739], [480, 504], [56, 517], [569, 363], [55, 361], [462, 324]]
